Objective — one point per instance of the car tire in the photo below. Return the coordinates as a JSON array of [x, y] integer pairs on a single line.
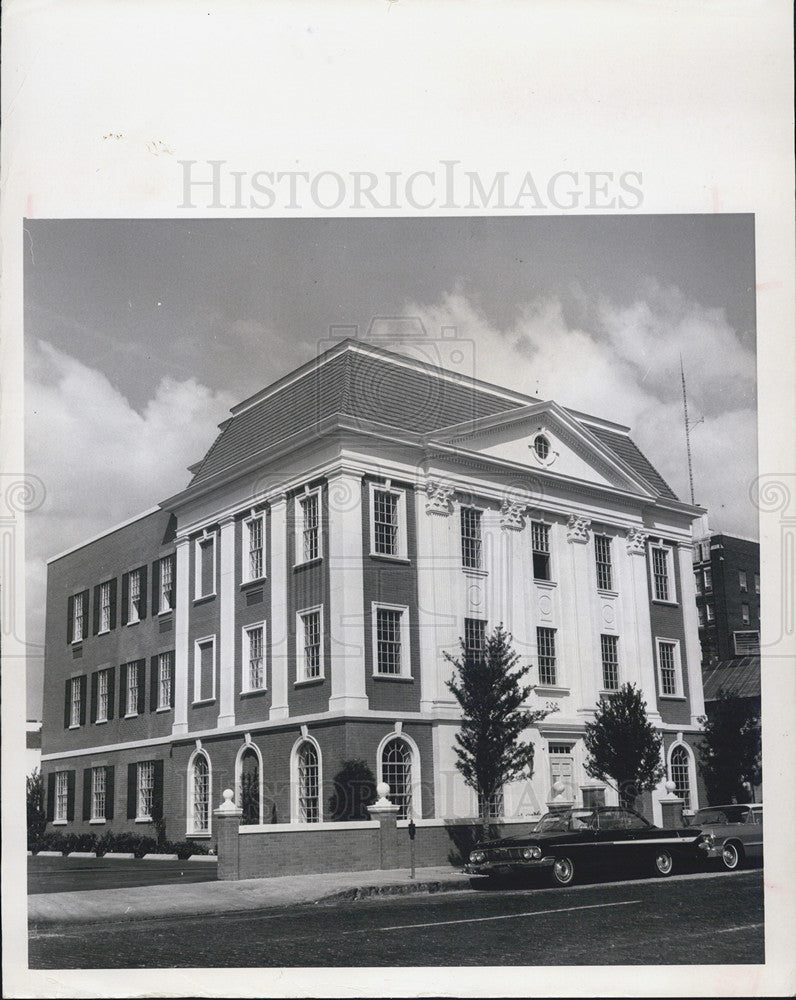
[[732, 856], [662, 863], [563, 871]]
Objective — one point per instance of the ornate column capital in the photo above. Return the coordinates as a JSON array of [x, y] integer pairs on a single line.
[[438, 498], [578, 528], [512, 514], [637, 541]]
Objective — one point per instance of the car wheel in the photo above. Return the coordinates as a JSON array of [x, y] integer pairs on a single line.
[[663, 862], [731, 856], [563, 871]]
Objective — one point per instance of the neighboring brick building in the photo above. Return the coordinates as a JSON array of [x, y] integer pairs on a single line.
[[289, 610]]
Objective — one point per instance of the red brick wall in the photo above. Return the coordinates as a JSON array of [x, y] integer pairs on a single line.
[[667, 623], [252, 604]]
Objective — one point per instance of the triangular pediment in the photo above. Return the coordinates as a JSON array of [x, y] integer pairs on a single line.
[[546, 438]]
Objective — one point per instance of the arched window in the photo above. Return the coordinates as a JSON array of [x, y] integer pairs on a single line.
[[308, 782], [680, 773], [249, 796], [199, 793], [396, 770]]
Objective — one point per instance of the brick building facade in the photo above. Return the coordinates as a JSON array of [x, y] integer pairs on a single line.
[[290, 609]]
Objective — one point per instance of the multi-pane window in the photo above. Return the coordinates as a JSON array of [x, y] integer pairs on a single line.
[[78, 616], [540, 548], [166, 589], [396, 771], [310, 527], [61, 796], [496, 806], [102, 696], [474, 636], [708, 574], [610, 656], [385, 522], [745, 613], [205, 571], [471, 538], [602, 553], [145, 789], [742, 580], [680, 774], [705, 550], [309, 810], [105, 607], [546, 647], [74, 702], [669, 668], [311, 641], [98, 777], [200, 794], [131, 708], [388, 641], [255, 673], [134, 597], [164, 680], [757, 583], [661, 581], [254, 533]]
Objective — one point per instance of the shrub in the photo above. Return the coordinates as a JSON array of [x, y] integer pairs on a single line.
[[53, 841], [37, 820]]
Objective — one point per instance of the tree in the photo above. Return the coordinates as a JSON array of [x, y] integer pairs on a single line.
[[37, 818], [354, 790], [622, 745], [488, 686], [730, 752]]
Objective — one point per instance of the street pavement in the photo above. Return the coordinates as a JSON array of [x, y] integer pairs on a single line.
[[702, 918]]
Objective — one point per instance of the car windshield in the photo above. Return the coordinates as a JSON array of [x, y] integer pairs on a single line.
[[576, 819], [726, 814]]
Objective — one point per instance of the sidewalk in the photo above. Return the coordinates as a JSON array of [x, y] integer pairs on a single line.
[[193, 899]]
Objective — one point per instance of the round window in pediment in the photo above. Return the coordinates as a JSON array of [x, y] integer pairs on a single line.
[[542, 447]]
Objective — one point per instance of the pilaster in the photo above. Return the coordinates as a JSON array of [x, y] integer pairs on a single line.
[[583, 671], [638, 621], [693, 649], [277, 622], [226, 643]]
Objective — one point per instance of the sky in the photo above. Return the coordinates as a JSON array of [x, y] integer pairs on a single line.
[[141, 334]]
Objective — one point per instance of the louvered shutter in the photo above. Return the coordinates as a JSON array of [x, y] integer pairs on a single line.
[[113, 603], [70, 619], [123, 690], [125, 597], [109, 791], [132, 790], [171, 685], [86, 793], [141, 668], [70, 795], [85, 612], [157, 791], [96, 610], [111, 691], [50, 797], [94, 683], [155, 586], [153, 684], [142, 591], [83, 700], [67, 703]]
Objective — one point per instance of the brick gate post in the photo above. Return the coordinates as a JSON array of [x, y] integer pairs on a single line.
[[671, 808], [387, 814], [228, 818]]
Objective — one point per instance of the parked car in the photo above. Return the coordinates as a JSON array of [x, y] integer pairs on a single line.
[[563, 844], [733, 833]]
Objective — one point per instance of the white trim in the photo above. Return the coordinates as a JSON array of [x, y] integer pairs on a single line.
[[301, 665], [172, 556], [298, 525], [189, 830], [197, 668], [416, 800], [678, 667], [406, 651], [245, 657], [103, 534], [480, 509], [207, 536], [294, 782], [245, 574], [400, 493], [250, 745], [692, 772], [668, 551]]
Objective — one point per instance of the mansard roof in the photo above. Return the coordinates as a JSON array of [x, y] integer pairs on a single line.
[[368, 383]]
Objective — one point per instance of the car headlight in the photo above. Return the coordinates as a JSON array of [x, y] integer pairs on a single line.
[[706, 841], [531, 853], [477, 857]]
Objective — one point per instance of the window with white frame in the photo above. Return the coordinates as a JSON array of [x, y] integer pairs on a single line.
[[199, 785], [388, 522], [98, 778], [254, 670], [662, 578], [696, 552], [669, 673], [742, 580], [310, 644], [698, 581], [474, 636], [708, 578], [540, 550], [103, 680], [75, 701], [496, 805], [145, 789], [61, 796], [166, 588], [205, 569], [79, 616], [609, 648], [134, 597], [471, 519], [133, 679], [757, 583], [308, 775], [701, 614], [105, 607], [680, 774], [309, 527], [709, 612], [546, 650], [204, 677], [745, 613], [602, 555], [391, 631], [706, 550], [396, 771], [254, 548], [164, 680]]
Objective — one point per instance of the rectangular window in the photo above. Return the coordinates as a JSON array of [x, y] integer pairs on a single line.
[[254, 534], [205, 574], [98, 776], [310, 527], [255, 659], [134, 597], [708, 576], [701, 614], [388, 641], [145, 789], [311, 644], [546, 647], [696, 552], [102, 696], [609, 647], [131, 706], [74, 702], [602, 552], [475, 636], [662, 580], [164, 680], [698, 581], [746, 643], [388, 531], [61, 796], [709, 612], [757, 584], [105, 607], [706, 550], [166, 588], [742, 580], [496, 806], [204, 677], [471, 538], [540, 547], [745, 613], [79, 616], [669, 668]]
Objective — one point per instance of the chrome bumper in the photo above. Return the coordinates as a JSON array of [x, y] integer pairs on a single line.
[[507, 867]]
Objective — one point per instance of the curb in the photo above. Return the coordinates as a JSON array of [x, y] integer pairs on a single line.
[[202, 857], [159, 857], [397, 889], [122, 856]]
